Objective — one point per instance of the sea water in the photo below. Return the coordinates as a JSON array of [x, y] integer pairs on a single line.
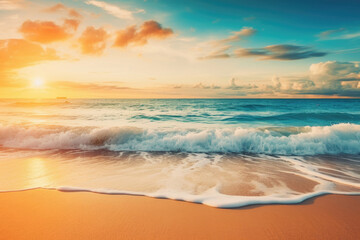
[[219, 152]]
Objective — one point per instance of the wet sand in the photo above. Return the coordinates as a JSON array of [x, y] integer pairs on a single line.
[[50, 214]]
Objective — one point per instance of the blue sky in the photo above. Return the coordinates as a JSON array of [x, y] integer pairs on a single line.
[[277, 21]]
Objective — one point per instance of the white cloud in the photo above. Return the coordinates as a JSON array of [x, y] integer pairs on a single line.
[[331, 74], [350, 35], [324, 78], [335, 34], [202, 86], [114, 10]]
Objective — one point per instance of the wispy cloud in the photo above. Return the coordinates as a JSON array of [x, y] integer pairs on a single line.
[[218, 53], [279, 52], [61, 7], [237, 35], [336, 34], [87, 86], [220, 48], [272, 52], [114, 10], [11, 4], [350, 35], [328, 33], [350, 50]]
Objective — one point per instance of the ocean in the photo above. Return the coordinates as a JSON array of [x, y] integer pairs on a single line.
[[223, 153]]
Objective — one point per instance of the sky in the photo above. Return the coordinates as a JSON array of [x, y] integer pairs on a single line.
[[179, 49]]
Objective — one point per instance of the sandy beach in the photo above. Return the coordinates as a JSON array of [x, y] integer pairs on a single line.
[[179, 120], [50, 214]]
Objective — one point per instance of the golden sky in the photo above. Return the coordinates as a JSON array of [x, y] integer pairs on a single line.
[[147, 49]]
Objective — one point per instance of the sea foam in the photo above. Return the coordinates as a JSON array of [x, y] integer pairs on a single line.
[[215, 200], [335, 139]]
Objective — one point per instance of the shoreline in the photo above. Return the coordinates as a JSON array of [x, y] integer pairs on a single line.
[[249, 201], [47, 214]]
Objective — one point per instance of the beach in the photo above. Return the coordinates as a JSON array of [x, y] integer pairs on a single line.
[[180, 169], [188, 120], [50, 214]]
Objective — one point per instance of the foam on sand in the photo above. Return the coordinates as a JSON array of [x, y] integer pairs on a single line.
[[197, 178]]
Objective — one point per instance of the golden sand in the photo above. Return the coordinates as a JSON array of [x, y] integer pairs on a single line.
[[50, 214]]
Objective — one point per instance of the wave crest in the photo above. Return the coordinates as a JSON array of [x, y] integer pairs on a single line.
[[335, 139]]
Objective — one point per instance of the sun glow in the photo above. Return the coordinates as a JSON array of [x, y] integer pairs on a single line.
[[37, 82]]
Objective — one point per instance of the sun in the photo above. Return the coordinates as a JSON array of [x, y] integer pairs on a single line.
[[37, 82]]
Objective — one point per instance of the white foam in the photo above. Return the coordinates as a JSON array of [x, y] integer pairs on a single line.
[[211, 199], [214, 198], [335, 139], [180, 179]]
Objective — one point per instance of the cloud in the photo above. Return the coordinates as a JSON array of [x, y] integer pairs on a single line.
[[234, 86], [19, 53], [334, 69], [279, 52], [289, 85], [332, 78], [11, 4], [218, 53], [56, 8], [236, 36], [272, 52], [93, 41], [134, 36], [202, 86], [86, 86], [329, 78], [61, 7], [220, 48], [350, 35], [336, 34], [114, 10], [326, 34], [47, 31], [335, 75], [71, 24]]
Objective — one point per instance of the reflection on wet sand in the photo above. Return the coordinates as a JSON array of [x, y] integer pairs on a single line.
[[191, 175]]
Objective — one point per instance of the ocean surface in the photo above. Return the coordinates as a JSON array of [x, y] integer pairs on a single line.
[[220, 152]]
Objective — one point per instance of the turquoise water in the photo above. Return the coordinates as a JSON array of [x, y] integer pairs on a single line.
[[253, 112], [244, 112], [276, 126], [219, 152]]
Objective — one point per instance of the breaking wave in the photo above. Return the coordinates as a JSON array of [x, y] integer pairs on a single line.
[[335, 139]]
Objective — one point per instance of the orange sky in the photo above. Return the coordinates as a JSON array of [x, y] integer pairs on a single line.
[[105, 49]]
